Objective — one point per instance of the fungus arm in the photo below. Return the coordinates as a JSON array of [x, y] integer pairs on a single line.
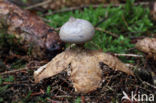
[[113, 62], [55, 66]]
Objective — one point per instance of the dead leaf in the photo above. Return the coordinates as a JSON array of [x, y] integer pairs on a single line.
[[147, 45]]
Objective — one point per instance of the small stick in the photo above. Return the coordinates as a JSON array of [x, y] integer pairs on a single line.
[[14, 71], [94, 6], [129, 55], [53, 101], [63, 96], [36, 93], [146, 83], [108, 32], [38, 4]]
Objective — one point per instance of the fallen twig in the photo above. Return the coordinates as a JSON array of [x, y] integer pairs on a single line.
[[36, 93], [17, 70], [63, 96], [108, 32], [129, 55], [17, 83], [38, 4], [53, 101], [13, 71], [94, 6], [148, 84]]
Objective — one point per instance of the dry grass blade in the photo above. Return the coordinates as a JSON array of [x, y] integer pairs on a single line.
[[107, 32], [38, 4], [129, 55]]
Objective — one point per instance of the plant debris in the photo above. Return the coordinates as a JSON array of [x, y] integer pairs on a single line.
[[58, 4], [61, 89], [83, 66], [147, 45], [33, 32]]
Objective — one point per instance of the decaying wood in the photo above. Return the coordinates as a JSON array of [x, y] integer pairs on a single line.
[[32, 31], [83, 67], [147, 45]]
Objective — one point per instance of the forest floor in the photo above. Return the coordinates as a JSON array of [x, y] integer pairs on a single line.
[[117, 30]]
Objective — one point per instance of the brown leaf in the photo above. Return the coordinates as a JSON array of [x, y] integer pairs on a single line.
[[147, 45]]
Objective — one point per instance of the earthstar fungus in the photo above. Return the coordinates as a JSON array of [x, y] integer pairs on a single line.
[[82, 65]]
